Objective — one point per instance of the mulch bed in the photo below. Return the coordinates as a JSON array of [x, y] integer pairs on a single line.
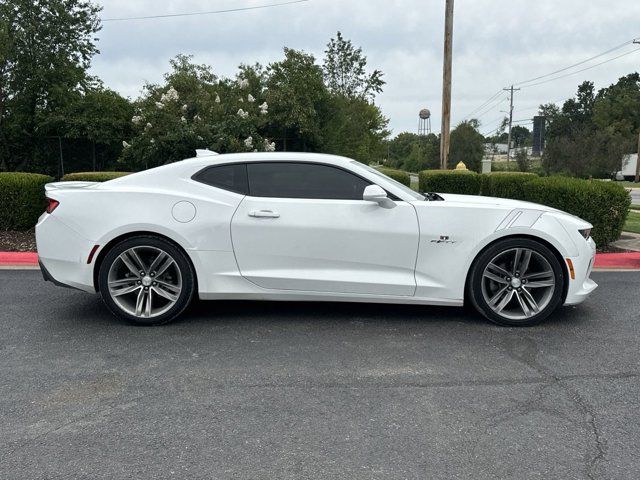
[[11, 241]]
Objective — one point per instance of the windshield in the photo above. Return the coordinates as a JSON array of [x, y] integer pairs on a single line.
[[404, 188]]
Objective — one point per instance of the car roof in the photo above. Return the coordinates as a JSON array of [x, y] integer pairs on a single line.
[[269, 157]]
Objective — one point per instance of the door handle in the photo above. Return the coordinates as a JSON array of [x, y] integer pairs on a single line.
[[264, 214]]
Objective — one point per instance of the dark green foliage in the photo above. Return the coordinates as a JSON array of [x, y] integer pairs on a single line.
[[93, 176], [450, 181], [603, 204], [505, 184], [397, 175], [21, 199]]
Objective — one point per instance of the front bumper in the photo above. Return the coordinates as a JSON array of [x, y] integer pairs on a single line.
[[580, 287]]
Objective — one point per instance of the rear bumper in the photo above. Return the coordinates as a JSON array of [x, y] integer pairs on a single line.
[[63, 253]]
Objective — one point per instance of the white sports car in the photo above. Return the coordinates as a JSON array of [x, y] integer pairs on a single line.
[[297, 226]]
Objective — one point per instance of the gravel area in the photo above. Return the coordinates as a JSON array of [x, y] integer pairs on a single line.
[[12, 241]]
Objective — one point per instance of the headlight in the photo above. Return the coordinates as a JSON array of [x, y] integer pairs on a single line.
[[586, 233]]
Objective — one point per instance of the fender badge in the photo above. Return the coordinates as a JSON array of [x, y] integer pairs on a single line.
[[444, 239]]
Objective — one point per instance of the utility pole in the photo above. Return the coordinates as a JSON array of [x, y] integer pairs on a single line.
[[511, 90], [445, 131], [637, 41]]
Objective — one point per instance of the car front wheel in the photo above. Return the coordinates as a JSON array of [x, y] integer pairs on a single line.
[[146, 280], [517, 282]]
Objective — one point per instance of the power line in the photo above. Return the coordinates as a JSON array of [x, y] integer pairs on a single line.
[[495, 95], [581, 70], [618, 47], [191, 14]]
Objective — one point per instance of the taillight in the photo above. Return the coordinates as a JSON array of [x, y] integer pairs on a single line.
[[51, 205]]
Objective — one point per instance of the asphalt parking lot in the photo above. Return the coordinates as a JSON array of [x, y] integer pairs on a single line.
[[276, 391]]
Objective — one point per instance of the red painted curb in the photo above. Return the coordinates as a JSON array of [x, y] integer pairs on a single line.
[[618, 260], [603, 260], [10, 259]]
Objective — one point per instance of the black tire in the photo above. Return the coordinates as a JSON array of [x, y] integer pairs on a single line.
[[188, 279], [474, 287]]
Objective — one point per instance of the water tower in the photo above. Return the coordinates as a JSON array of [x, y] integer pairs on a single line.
[[424, 125]]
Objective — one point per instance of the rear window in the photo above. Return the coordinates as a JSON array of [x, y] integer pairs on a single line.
[[227, 177]]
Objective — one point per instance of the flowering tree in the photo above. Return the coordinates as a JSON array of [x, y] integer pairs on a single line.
[[193, 109]]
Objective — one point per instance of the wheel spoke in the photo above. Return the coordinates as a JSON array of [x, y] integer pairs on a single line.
[[504, 302], [498, 269], [495, 278], [164, 293], [516, 260], [164, 266], [526, 295], [140, 302], [523, 305], [147, 310], [123, 291], [547, 273], [137, 260], [156, 262], [524, 263], [496, 298], [541, 284], [130, 264]]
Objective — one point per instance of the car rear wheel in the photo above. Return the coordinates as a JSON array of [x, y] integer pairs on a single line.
[[517, 282], [146, 280]]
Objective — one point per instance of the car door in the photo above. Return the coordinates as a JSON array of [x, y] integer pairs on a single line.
[[305, 227]]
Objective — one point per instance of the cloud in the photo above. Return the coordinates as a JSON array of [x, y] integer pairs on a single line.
[[495, 44]]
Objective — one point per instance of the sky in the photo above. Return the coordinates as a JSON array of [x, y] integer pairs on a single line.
[[496, 43]]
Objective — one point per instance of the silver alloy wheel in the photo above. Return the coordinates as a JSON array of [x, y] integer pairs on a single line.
[[144, 281], [518, 283]]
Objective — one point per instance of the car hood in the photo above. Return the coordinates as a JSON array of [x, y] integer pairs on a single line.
[[475, 200]]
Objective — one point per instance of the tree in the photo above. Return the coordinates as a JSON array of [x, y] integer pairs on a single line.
[[467, 145], [47, 46], [298, 98], [345, 70]]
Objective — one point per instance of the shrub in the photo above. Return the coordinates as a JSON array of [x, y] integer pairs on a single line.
[[603, 204], [398, 175], [450, 181], [505, 184], [21, 199], [93, 176]]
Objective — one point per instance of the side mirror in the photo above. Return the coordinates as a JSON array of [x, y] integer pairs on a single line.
[[375, 193]]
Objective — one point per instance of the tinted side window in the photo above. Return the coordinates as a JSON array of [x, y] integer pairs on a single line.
[[228, 177], [303, 180]]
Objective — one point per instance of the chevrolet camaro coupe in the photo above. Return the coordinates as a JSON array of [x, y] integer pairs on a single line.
[[306, 227]]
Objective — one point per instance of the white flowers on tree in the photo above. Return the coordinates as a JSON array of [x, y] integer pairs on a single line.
[[250, 98], [136, 119], [264, 108], [269, 146], [242, 114], [171, 95], [248, 142]]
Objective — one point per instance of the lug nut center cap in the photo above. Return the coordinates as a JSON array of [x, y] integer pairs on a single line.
[[147, 280], [515, 282]]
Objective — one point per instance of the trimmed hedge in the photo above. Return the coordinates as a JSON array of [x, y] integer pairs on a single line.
[[21, 199], [93, 176], [603, 204], [505, 184], [398, 175], [450, 181]]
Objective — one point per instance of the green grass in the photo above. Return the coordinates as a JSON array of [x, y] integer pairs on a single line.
[[633, 221]]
